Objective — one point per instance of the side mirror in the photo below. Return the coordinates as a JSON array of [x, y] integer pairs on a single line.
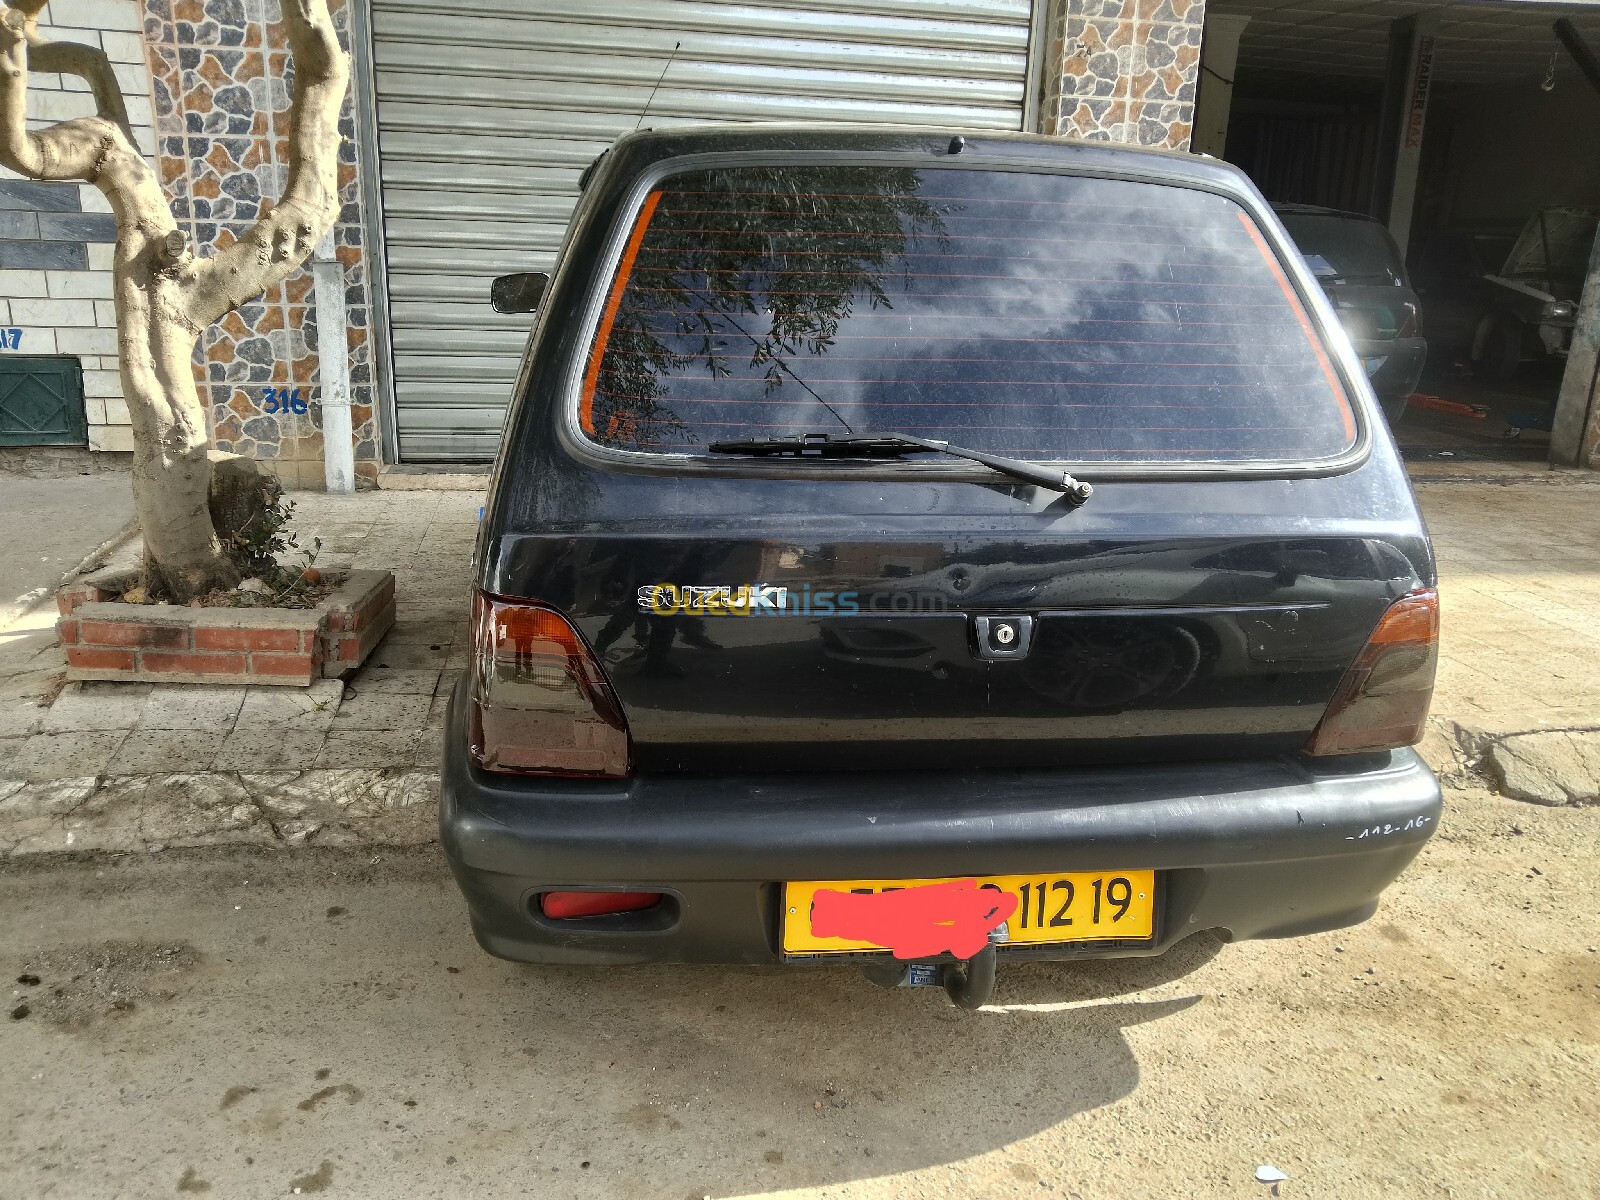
[[519, 293]]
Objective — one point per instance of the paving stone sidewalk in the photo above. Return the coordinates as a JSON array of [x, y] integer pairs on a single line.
[[132, 767], [127, 766]]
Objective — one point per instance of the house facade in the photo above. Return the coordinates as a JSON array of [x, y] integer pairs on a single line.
[[466, 130]]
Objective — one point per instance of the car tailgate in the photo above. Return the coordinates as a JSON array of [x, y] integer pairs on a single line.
[[1141, 649]]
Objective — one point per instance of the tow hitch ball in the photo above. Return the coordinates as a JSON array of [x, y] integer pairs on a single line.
[[969, 984]]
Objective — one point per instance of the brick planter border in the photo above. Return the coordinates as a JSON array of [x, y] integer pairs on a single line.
[[159, 643]]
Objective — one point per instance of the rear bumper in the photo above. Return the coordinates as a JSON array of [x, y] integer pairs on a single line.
[[1253, 849], [1403, 360]]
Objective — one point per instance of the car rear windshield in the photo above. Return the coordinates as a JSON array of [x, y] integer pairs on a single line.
[[1042, 316], [1346, 249]]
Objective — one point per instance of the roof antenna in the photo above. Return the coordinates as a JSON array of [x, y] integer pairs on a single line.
[[657, 87]]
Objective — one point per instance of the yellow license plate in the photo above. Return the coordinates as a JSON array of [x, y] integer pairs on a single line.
[[1082, 906]]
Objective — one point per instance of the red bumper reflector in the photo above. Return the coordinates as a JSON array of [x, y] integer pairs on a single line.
[[562, 905]]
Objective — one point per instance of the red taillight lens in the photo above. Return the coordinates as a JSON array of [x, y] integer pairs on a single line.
[[564, 905], [541, 703], [1382, 701]]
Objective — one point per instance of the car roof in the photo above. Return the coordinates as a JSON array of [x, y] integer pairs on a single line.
[[1284, 209], [646, 146]]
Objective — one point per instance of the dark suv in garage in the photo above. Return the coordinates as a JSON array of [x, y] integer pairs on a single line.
[[927, 550]]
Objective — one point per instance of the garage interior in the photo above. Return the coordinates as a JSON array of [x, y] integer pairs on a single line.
[[1453, 123]]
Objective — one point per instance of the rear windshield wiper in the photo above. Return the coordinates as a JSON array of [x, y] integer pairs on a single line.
[[883, 445]]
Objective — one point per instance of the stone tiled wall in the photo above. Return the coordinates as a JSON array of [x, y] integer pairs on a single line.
[[222, 76], [55, 238], [1123, 70], [207, 85]]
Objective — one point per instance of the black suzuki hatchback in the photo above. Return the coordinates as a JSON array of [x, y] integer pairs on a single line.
[[926, 550]]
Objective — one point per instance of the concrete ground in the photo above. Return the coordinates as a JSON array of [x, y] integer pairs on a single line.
[[51, 523], [1519, 592]]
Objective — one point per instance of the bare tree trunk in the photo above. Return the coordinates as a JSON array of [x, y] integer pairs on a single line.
[[166, 297]]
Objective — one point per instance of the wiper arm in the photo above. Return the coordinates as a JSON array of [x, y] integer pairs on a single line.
[[872, 445]]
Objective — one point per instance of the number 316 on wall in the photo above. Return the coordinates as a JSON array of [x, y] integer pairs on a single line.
[[281, 400]]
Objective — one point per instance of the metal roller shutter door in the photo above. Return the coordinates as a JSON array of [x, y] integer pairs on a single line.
[[486, 117]]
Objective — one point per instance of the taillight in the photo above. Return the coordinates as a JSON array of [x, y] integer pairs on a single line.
[[1411, 325], [566, 905], [1382, 701], [540, 702]]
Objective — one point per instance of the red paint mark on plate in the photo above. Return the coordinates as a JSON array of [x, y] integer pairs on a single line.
[[915, 922]]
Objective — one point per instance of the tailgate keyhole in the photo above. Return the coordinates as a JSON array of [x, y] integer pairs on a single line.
[[1002, 637]]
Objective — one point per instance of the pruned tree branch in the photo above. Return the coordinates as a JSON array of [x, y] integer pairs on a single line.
[[24, 49], [69, 150], [164, 295], [90, 64], [99, 149], [281, 240]]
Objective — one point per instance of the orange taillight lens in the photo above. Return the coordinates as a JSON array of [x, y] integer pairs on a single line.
[[1382, 701], [540, 702]]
